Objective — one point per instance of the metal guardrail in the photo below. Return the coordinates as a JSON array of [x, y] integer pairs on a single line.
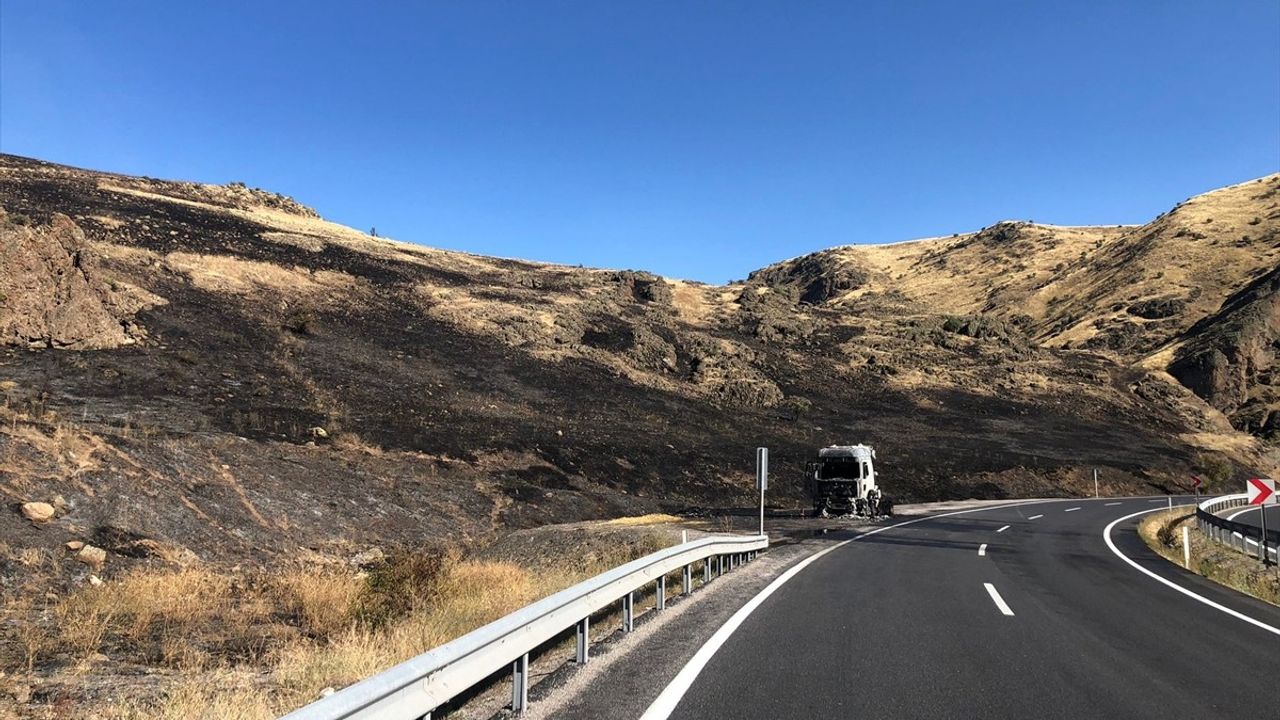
[[415, 688], [1233, 534]]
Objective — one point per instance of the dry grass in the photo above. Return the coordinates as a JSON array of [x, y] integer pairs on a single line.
[[469, 595], [172, 618], [217, 695], [1162, 532], [266, 643], [650, 519], [232, 275], [31, 631], [324, 601]]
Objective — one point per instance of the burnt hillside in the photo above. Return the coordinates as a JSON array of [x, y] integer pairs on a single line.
[[218, 369]]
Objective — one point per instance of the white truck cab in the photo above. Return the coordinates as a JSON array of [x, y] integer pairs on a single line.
[[842, 478]]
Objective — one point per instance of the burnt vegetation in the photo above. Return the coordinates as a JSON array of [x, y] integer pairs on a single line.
[[298, 385]]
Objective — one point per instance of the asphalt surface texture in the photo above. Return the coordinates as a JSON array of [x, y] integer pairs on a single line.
[[1252, 516], [1045, 622]]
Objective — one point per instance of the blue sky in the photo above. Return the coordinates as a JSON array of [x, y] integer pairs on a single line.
[[694, 139]]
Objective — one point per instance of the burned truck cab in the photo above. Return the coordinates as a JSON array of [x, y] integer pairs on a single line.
[[840, 479]]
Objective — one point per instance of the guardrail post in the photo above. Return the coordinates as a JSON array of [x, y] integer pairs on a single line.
[[520, 684], [688, 579], [628, 611], [584, 641], [706, 571], [660, 592], [1186, 546], [719, 565]]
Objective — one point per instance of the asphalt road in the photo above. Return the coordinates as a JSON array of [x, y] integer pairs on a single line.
[[1045, 622], [1252, 516]]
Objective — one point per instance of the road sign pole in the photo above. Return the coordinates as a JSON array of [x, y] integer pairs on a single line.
[[762, 479], [1263, 544], [1095, 483], [762, 511]]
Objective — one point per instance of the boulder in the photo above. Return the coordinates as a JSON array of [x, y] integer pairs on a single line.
[[37, 511], [92, 556]]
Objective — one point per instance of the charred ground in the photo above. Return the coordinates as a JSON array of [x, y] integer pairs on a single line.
[[286, 386]]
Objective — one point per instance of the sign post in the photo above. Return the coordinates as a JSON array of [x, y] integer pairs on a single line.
[[1262, 492], [1195, 485], [1095, 483], [762, 479]]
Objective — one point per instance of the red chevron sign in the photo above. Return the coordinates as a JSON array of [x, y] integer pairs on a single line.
[[1261, 491]]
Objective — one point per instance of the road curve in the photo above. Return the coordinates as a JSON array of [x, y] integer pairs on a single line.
[[1046, 621], [1252, 516]]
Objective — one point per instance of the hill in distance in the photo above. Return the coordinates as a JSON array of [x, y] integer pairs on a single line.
[[210, 371]]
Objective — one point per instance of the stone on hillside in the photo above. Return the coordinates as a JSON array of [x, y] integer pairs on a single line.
[[368, 557], [37, 511], [92, 556]]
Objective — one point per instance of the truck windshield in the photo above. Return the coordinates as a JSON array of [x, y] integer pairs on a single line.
[[840, 468]]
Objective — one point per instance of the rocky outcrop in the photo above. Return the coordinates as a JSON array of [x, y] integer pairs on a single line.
[[643, 287], [1230, 358], [813, 278], [51, 294]]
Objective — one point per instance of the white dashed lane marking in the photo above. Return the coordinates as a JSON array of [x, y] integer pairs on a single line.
[[999, 601]]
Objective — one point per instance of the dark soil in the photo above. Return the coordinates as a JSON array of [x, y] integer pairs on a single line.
[[270, 425]]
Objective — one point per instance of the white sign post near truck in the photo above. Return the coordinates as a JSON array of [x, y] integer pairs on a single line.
[[762, 479]]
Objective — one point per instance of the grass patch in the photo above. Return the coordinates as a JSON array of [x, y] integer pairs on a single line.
[[249, 645], [650, 519], [1162, 532]]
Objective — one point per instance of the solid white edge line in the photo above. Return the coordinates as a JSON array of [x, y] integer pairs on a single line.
[[1106, 535], [1006, 527], [999, 601], [1071, 509], [982, 550], [1035, 517], [666, 702]]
